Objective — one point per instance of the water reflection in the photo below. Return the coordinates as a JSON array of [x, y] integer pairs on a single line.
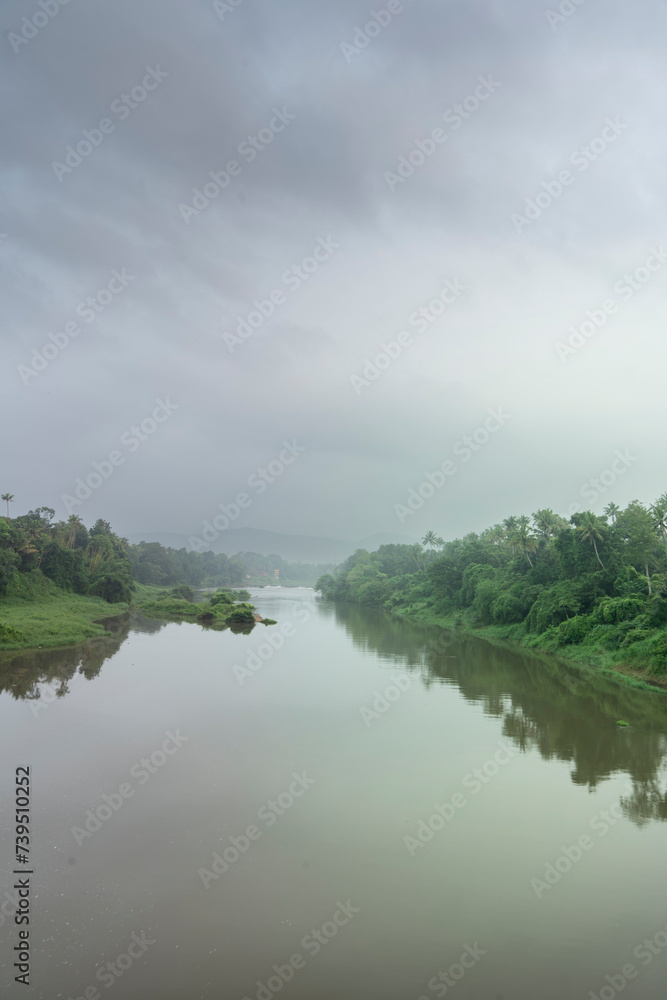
[[25, 673], [567, 713]]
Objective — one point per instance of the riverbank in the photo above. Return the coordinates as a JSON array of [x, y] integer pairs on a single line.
[[608, 663], [39, 615]]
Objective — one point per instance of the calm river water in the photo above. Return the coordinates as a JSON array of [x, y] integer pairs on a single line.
[[365, 809]]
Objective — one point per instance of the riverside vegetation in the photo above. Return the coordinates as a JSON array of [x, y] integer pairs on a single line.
[[59, 580], [593, 588]]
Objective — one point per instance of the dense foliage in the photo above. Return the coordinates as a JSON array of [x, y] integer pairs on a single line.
[[97, 562], [597, 582], [93, 562]]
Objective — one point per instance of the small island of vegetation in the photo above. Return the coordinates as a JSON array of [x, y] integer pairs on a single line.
[[59, 581]]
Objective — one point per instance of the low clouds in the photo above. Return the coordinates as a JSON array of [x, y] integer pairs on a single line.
[[322, 176]]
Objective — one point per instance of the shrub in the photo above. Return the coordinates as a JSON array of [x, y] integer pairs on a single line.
[[612, 610], [10, 634], [659, 653], [573, 630]]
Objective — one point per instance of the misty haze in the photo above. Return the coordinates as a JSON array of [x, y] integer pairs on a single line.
[[333, 514]]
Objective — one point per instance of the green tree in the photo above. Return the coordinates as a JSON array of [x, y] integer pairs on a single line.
[[589, 531], [612, 511], [659, 513], [637, 527], [525, 540], [8, 498]]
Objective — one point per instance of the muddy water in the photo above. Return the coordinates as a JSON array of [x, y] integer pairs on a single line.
[[340, 806]]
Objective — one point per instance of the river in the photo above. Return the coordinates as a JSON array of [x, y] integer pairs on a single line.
[[343, 805]]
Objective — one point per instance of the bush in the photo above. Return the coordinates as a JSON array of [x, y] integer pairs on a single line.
[[472, 577], [221, 597], [554, 606], [10, 634], [612, 610], [636, 635], [574, 629], [659, 653]]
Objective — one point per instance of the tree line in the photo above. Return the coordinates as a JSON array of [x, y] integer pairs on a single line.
[[98, 562], [598, 581]]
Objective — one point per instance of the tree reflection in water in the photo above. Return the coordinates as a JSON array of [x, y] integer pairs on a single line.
[[565, 712]]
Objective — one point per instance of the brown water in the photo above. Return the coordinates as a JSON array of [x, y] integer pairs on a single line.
[[327, 884]]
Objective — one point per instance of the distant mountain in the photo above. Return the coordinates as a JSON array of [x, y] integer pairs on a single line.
[[293, 548]]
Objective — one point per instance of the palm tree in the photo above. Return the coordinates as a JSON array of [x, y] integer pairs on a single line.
[[430, 539], [612, 510], [510, 524], [659, 512], [8, 498], [526, 542], [74, 522], [590, 532]]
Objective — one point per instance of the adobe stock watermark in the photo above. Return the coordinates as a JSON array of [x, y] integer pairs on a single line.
[[603, 821], [596, 487], [383, 701], [626, 288], [268, 814], [47, 695], [565, 10], [465, 448], [645, 952], [31, 26], [293, 278], [259, 481], [110, 972], [454, 116], [131, 440], [249, 149], [274, 641], [121, 107], [142, 771], [580, 158], [312, 942], [445, 812], [89, 309], [419, 320], [446, 981], [223, 7]]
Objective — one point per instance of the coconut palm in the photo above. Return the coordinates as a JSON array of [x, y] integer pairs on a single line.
[[430, 539], [589, 532], [494, 535], [612, 511], [8, 498], [74, 522], [547, 523], [659, 512], [510, 524], [525, 540]]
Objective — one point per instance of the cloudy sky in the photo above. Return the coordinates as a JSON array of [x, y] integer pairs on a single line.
[[510, 154]]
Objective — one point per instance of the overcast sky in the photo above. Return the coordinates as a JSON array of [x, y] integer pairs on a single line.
[[334, 110]]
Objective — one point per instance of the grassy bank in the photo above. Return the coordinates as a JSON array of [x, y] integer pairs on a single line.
[[611, 663], [38, 614]]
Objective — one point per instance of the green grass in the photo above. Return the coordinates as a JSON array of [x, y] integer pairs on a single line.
[[636, 673], [38, 614]]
